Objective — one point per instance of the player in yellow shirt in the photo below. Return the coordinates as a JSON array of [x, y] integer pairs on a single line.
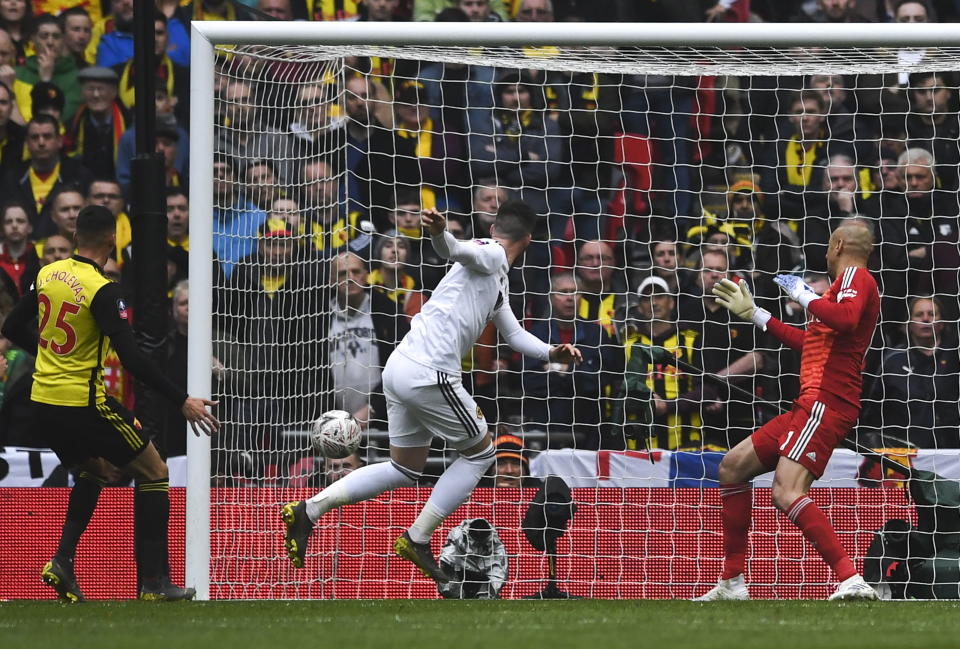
[[78, 309]]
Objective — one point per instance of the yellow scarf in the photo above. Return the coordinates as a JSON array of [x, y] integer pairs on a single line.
[[423, 149], [127, 86], [800, 161], [272, 284], [42, 187], [407, 284]]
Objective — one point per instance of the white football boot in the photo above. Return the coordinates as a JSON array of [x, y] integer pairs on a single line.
[[733, 589], [854, 588]]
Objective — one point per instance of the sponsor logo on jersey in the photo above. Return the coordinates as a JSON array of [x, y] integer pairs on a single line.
[[812, 456], [481, 242], [845, 293], [122, 309]]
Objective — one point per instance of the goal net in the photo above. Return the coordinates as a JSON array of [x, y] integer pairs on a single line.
[[655, 172]]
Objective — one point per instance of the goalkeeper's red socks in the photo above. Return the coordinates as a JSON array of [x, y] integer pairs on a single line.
[[805, 514], [737, 500]]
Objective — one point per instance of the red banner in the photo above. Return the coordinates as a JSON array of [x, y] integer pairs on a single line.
[[623, 543]]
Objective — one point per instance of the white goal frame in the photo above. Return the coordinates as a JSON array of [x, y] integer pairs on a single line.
[[207, 35]]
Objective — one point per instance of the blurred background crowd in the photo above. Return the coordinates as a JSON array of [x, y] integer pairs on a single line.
[[650, 187]]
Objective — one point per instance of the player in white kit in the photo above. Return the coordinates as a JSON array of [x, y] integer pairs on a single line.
[[424, 391]]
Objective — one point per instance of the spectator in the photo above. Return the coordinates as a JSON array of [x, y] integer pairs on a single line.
[[235, 219], [933, 123], [174, 78], [524, 150], [77, 26], [94, 134], [598, 284], [267, 319], [44, 172], [419, 153], [11, 133], [65, 205], [363, 113], [336, 468], [314, 131], [47, 99], [390, 276], [428, 9], [50, 63], [917, 396], [19, 262], [319, 10], [262, 183], [837, 11], [178, 33], [535, 11], [663, 254], [8, 73], [365, 327], [278, 9], [728, 349], [55, 248], [379, 10], [677, 397], [167, 144], [106, 192], [112, 40], [330, 224], [178, 218], [175, 426], [16, 19], [564, 398], [242, 135], [486, 201], [794, 165], [841, 198], [127, 148], [512, 467]]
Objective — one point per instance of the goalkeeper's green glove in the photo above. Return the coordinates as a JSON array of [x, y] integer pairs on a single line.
[[736, 298]]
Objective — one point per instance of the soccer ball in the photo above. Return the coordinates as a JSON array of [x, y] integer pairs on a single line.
[[336, 434]]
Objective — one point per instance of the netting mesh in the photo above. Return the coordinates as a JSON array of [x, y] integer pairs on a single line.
[[655, 169]]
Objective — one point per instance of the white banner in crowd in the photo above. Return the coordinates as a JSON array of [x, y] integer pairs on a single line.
[[21, 467]]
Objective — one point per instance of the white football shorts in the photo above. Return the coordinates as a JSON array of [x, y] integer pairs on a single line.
[[422, 402]]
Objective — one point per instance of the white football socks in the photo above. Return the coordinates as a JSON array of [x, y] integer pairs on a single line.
[[451, 490], [362, 484]]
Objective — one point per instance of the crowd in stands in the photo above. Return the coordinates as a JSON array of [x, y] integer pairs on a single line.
[[650, 188]]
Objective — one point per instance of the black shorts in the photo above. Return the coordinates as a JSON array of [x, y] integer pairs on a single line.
[[78, 433]]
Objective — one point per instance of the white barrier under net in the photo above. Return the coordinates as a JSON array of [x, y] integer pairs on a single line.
[[656, 172]]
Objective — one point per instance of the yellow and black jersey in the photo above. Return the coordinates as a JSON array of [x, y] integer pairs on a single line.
[[681, 430], [70, 344], [599, 309], [80, 312]]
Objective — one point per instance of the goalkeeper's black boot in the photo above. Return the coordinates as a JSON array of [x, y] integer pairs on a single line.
[[421, 556], [58, 575], [299, 527], [164, 590]]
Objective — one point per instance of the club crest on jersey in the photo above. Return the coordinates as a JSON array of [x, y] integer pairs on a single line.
[[122, 309], [479, 413]]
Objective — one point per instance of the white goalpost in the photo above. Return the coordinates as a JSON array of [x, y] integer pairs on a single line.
[[665, 164]]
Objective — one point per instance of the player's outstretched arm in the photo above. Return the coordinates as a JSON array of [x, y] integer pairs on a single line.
[[521, 340], [736, 298], [842, 316], [480, 258]]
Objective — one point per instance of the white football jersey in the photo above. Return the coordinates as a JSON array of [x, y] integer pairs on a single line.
[[461, 306]]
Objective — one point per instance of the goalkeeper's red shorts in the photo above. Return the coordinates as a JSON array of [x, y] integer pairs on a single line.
[[807, 435]]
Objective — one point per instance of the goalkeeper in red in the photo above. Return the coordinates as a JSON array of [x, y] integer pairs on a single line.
[[798, 444]]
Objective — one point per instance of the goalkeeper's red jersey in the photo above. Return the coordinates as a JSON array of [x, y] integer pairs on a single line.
[[839, 330]]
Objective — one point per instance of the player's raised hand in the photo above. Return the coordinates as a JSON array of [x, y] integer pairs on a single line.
[[735, 297], [195, 411], [433, 221], [565, 353], [797, 289]]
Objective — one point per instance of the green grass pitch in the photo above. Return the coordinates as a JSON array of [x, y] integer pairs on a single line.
[[600, 624]]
